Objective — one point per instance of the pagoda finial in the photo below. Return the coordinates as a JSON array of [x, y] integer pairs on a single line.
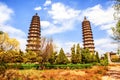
[[85, 18], [36, 14]]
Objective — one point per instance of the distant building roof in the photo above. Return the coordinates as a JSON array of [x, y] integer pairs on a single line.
[[68, 54]]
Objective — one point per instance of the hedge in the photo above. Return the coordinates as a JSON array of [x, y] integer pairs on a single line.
[[22, 66], [68, 66], [48, 66]]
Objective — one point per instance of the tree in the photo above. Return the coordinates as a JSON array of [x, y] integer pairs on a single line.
[[11, 56], [116, 29], [61, 58], [2, 37], [78, 54], [30, 57], [117, 9], [73, 56], [52, 58], [47, 49], [97, 57], [86, 56], [116, 34], [7, 43]]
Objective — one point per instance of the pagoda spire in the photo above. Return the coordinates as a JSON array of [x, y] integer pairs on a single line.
[[88, 41], [33, 42], [85, 18], [36, 14]]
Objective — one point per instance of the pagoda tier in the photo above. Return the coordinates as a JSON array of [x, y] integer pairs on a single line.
[[33, 42], [88, 41]]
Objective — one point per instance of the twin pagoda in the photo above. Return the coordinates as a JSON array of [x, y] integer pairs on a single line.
[[88, 41], [33, 42], [34, 35]]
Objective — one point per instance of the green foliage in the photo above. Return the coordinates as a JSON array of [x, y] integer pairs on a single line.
[[7, 43], [76, 54], [52, 58], [61, 58], [2, 68], [1, 32], [31, 57], [22, 66], [116, 32], [97, 57], [47, 66], [117, 9], [86, 56], [68, 66], [104, 62], [11, 56], [73, 56]]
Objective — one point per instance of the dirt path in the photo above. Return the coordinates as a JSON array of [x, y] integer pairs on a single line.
[[113, 73]]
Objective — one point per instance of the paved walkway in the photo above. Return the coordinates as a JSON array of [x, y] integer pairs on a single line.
[[113, 73]]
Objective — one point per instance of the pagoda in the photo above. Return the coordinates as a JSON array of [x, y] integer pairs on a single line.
[[33, 42], [88, 41]]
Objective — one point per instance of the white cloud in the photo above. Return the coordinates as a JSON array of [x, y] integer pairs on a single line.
[[63, 18], [5, 16], [105, 45], [23, 42], [38, 8], [65, 45], [45, 24], [5, 13], [58, 28], [15, 33], [47, 3], [61, 12], [107, 26], [99, 16], [104, 19], [12, 31]]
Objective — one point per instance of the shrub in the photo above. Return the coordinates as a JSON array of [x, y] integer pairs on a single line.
[[70, 66], [22, 66], [104, 62], [2, 69]]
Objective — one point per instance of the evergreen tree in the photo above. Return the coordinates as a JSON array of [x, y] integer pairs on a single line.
[[73, 56], [52, 58], [97, 57], [61, 58], [78, 54], [86, 56]]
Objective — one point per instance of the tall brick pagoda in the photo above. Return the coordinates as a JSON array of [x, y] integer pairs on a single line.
[[88, 41], [33, 42]]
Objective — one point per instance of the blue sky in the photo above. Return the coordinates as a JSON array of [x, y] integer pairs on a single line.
[[60, 20]]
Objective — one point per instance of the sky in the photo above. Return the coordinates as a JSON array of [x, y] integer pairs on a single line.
[[60, 20]]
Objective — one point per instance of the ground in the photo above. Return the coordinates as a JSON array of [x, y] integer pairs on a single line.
[[113, 73], [94, 73]]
